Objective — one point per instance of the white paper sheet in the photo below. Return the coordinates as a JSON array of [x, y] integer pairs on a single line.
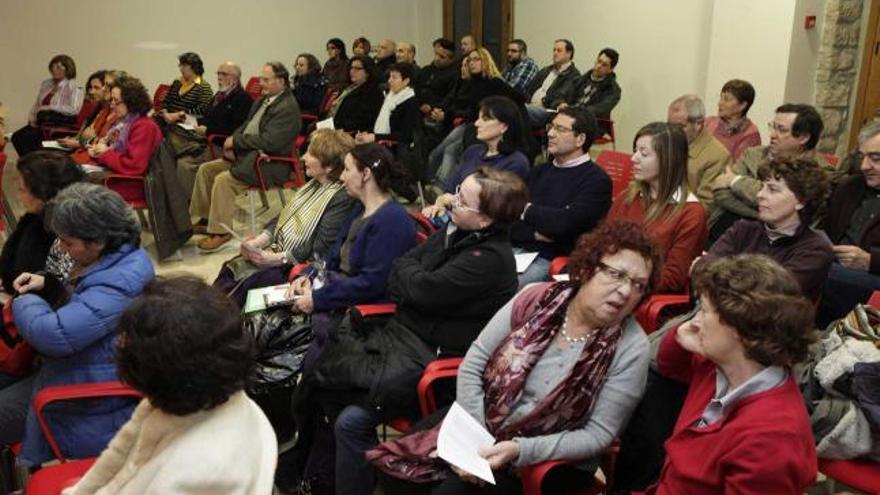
[[189, 123], [325, 124], [53, 145], [90, 168], [523, 260], [460, 440]]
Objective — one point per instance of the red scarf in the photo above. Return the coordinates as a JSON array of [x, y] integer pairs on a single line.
[[538, 315]]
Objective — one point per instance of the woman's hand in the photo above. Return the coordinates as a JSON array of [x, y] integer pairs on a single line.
[[365, 137], [69, 142], [171, 117], [302, 295], [96, 149], [501, 454], [87, 133], [688, 336], [28, 282], [254, 243], [439, 206]]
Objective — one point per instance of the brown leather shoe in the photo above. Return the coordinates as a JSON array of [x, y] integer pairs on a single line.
[[214, 242]]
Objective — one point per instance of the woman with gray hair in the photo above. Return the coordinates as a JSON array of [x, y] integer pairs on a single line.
[[76, 339]]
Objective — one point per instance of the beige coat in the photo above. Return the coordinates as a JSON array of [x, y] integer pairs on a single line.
[[230, 450], [707, 158]]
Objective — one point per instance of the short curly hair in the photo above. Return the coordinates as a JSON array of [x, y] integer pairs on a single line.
[[134, 95], [804, 177], [182, 344], [330, 147], [610, 238], [762, 302]]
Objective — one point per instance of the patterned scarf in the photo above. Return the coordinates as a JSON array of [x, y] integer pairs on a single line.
[[117, 136], [299, 218], [566, 407]]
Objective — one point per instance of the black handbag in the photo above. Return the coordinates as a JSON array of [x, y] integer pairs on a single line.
[[282, 338]]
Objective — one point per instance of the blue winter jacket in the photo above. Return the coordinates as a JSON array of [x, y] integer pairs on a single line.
[[77, 342]]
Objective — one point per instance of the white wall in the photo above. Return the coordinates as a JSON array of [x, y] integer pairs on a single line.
[[663, 48], [145, 37]]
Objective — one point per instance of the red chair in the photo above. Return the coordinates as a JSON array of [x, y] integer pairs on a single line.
[[831, 159], [861, 474], [424, 227], [159, 97], [253, 88], [53, 132], [326, 103], [874, 301], [51, 480], [298, 181], [608, 137], [131, 188], [618, 166], [533, 476], [558, 264]]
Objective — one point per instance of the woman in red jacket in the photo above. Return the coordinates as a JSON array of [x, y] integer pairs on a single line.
[[130, 143], [744, 427], [658, 198]]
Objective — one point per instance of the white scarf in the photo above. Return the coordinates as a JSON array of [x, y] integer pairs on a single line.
[[383, 121]]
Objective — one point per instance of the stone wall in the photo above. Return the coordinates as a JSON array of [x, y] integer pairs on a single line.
[[837, 71]]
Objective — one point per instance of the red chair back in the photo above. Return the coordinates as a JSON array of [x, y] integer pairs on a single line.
[[88, 107], [329, 98], [159, 96], [253, 87], [874, 301], [618, 166], [831, 159], [424, 227]]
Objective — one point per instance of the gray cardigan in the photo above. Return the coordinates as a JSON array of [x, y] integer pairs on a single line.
[[612, 407]]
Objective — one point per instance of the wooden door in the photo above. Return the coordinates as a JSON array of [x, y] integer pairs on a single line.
[[490, 22], [867, 106]]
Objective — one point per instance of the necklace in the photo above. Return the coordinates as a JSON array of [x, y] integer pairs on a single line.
[[568, 338]]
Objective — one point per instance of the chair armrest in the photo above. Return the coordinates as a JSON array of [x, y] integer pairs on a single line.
[[367, 310], [57, 393], [112, 179], [297, 270], [648, 313], [558, 264], [60, 131], [299, 179], [309, 117], [436, 370], [533, 475]]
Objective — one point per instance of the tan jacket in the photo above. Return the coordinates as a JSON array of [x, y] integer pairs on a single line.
[[230, 449], [707, 158]]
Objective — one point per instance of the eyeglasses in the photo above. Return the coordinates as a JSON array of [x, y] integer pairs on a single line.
[[456, 201], [773, 126], [619, 277], [872, 156], [557, 128]]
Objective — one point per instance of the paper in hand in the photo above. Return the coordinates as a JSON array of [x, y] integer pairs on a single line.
[[460, 440]]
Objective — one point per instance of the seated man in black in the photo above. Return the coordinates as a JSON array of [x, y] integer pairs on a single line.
[[853, 225], [597, 90]]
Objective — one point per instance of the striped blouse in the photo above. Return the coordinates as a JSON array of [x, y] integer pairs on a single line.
[[194, 102]]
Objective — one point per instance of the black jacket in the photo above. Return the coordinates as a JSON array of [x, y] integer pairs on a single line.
[[464, 101], [404, 120], [309, 92], [229, 114], [433, 84], [844, 202], [25, 250], [602, 101], [358, 111], [561, 88]]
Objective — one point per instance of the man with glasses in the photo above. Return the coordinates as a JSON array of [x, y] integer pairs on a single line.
[[227, 111], [853, 225], [569, 196], [794, 133], [270, 128]]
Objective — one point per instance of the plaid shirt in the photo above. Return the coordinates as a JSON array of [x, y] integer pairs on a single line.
[[520, 75]]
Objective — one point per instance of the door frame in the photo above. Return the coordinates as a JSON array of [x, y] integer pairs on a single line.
[[507, 21], [872, 43]]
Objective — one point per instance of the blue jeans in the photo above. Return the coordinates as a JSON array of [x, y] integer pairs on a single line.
[[15, 397], [538, 271], [538, 116], [843, 289], [355, 431], [446, 157]]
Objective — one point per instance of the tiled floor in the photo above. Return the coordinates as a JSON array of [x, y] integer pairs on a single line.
[[207, 266]]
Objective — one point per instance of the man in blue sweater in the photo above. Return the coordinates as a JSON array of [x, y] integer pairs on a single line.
[[569, 196]]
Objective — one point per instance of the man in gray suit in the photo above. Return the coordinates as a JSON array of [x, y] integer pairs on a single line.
[[271, 129]]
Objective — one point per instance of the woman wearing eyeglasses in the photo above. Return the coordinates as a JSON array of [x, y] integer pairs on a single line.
[[446, 290], [554, 375], [357, 106], [658, 198]]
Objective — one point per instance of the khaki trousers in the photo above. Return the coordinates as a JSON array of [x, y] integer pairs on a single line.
[[214, 195]]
